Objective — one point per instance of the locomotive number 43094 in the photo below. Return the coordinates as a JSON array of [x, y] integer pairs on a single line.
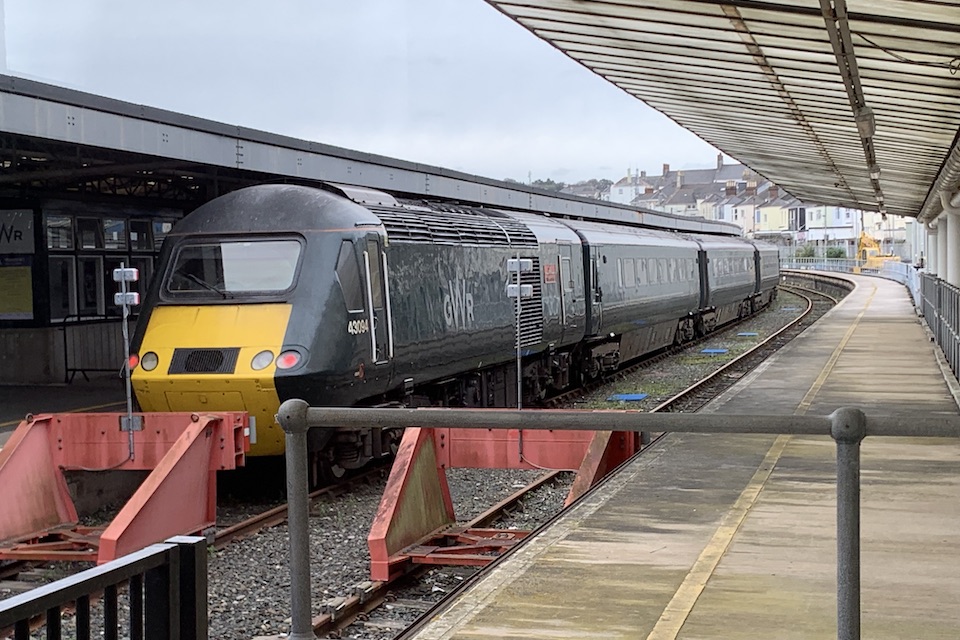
[[355, 327]]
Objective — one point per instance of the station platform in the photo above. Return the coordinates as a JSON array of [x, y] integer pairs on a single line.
[[720, 536], [99, 393]]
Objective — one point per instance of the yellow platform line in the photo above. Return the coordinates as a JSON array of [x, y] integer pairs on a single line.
[[12, 423], [677, 611]]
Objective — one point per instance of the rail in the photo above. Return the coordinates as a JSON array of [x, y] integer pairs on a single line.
[[847, 427], [166, 592], [940, 306], [902, 272], [91, 346]]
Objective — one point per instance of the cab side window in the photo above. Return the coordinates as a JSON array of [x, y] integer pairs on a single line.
[[348, 273]]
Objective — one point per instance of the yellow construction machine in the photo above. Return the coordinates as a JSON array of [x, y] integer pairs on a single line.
[[869, 255]]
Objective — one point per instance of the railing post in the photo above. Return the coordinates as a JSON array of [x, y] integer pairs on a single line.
[[162, 604], [193, 586], [293, 418], [848, 427]]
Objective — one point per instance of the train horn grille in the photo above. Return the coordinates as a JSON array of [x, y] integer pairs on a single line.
[[204, 361]]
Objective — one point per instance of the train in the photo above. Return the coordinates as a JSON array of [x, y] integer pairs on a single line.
[[348, 296]]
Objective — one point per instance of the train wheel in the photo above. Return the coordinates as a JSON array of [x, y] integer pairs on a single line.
[[323, 471]]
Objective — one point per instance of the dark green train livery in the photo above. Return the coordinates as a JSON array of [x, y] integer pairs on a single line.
[[347, 296]]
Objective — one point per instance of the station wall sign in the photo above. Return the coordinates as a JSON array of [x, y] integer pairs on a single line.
[[16, 232]]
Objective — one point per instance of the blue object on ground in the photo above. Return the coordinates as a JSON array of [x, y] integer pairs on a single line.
[[714, 351], [626, 397], [747, 333], [789, 308]]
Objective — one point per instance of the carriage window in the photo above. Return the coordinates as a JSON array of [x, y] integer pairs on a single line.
[[227, 267], [619, 272], [348, 273], [629, 273]]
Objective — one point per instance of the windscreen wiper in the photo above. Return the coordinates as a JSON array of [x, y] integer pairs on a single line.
[[206, 285]]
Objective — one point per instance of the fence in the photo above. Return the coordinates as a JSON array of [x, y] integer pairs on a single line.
[[166, 594], [91, 346], [940, 305]]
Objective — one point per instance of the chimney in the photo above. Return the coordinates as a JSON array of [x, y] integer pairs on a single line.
[[731, 188], [774, 191], [643, 174], [648, 190], [679, 179], [666, 169], [719, 161], [752, 188]]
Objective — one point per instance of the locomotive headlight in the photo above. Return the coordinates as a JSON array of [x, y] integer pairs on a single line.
[[288, 360], [149, 361], [262, 360]]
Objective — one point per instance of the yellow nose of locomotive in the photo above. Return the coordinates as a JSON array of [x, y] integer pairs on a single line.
[[215, 358]]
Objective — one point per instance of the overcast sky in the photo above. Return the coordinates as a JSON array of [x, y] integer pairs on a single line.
[[452, 83]]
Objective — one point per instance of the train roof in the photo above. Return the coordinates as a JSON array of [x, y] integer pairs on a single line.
[[276, 208]]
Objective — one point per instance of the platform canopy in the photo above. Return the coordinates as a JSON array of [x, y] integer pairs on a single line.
[[850, 102]]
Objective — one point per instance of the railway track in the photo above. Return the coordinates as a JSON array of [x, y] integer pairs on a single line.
[[340, 613], [703, 391]]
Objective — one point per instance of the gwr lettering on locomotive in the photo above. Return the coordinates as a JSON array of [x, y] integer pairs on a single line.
[[458, 305]]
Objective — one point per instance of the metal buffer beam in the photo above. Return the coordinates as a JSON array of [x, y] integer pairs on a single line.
[[182, 451]]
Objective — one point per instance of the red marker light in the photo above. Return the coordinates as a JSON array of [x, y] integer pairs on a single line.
[[133, 361], [288, 359]]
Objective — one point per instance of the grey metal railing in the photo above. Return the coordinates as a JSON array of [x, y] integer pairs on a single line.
[[843, 265], [902, 272], [940, 305], [166, 593], [847, 427]]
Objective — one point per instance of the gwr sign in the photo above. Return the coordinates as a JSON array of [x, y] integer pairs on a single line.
[[16, 232]]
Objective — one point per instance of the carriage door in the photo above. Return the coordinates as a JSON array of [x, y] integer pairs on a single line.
[[596, 296], [704, 275], [571, 290], [378, 300]]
